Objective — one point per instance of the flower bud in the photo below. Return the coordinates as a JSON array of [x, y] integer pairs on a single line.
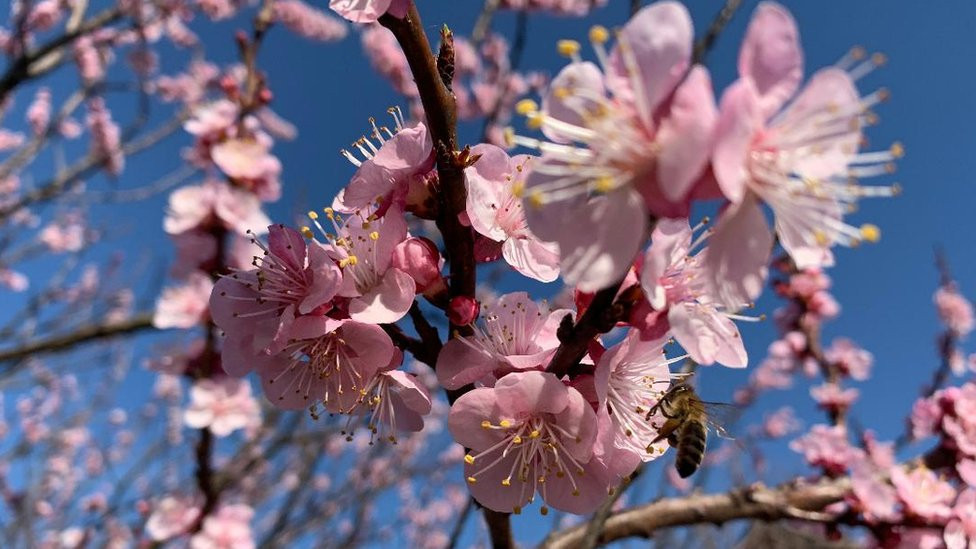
[[463, 310], [419, 258]]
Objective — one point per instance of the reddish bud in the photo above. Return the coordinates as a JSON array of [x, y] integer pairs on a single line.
[[265, 96], [463, 310], [419, 258]]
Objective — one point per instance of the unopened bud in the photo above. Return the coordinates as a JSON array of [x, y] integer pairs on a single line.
[[463, 310]]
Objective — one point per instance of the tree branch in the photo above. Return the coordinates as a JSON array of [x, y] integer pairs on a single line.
[[705, 44], [85, 334]]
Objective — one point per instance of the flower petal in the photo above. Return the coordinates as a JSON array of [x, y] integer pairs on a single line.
[[771, 56]]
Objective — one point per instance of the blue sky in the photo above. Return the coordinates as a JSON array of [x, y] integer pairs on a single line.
[[885, 289]]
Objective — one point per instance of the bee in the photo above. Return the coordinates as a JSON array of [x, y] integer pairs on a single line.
[[686, 422]]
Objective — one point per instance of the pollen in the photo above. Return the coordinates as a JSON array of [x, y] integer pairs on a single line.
[[517, 510], [870, 232], [374, 235], [897, 150], [562, 92], [506, 482], [469, 459], [518, 189], [505, 423], [486, 424], [351, 260], [821, 238], [307, 232], [536, 200], [472, 480], [603, 184], [599, 34], [568, 48], [509, 135], [517, 440], [534, 434], [526, 107], [534, 120], [313, 215]]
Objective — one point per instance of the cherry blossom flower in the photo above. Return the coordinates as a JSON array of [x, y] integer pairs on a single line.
[[309, 22], [184, 306], [873, 495], [494, 210], [255, 308], [955, 311], [249, 162], [363, 246], [394, 401], [851, 359], [800, 161], [368, 11], [676, 281], [924, 494], [171, 517], [419, 258], [214, 202], [222, 405], [228, 528], [325, 361], [530, 433], [106, 135], [513, 335], [831, 397], [562, 7], [960, 532], [827, 447], [39, 112], [630, 378], [626, 140]]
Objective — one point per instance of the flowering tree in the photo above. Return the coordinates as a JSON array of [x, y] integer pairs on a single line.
[[410, 375]]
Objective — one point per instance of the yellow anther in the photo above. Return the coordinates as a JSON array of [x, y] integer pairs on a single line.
[[534, 434], [351, 260], [883, 94], [472, 480], [526, 107], [313, 215], [536, 200], [517, 440], [307, 233], [375, 235], [508, 134], [568, 48], [517, 510], [603, 184], [870, 232], [518, 189], [505, 423], [821, 238], [879, 59], [486, 424], [534, 120], [858, 52], [562, 93], [469, 459], [599, 34], [506, 482], [897, 150]]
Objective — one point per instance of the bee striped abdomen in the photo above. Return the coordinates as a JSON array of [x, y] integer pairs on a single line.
[[691, 446]]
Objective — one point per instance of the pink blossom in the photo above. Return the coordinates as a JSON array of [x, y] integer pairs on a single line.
[[960, 532], [394, 401], [463, 310], [873, 495], [802, 160], [494, 208], [513, 335], [228, 528], [827, 447], [195, 250], [675, 280], [325, 361], [955, 311], [592, 190], [255, 308], [218, 9], [363, 246], [223, 405], [171, 517], [630, 378], [44, 15], [851, 359], [10, 140], [419, 258], [184, 306], [368, 11], [211, 121], [780, 423], [530, 433], [89, 60], [831, 397], [562, 7], [250, 163], [923, 493], [65, 234], [201, 206], [308, 22], [39, 111], [387, 58], [105, 135]]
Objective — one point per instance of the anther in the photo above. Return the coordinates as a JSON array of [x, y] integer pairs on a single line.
[[568, 48], [870, 232], [599, 34]]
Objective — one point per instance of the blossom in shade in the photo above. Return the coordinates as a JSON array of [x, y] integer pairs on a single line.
[[211, 203], [625, 139], [368, 11], [394, 401], [530, 433], [228, 528], [325, 361], [363, 246], [171, 517], [630, 378], [223, 405], [960, 532], [924, 494], [184, 306], [802, 160], [255, 308], [513, 335], [676, 281], [955, 311], [494, 208], [308, 22]]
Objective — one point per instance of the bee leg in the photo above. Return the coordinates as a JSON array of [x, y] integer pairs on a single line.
[[667, 431]]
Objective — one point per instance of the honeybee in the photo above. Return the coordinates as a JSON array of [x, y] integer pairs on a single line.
[[686, 422]]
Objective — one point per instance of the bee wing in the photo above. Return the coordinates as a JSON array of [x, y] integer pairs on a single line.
[[718, 415]]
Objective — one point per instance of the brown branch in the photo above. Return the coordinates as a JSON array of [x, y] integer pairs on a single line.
[[754, 502], [596, 320], [85, 334], [705, 44]]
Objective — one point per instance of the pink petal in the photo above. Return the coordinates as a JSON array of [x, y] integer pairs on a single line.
[[531, 392], [368, 183], [583, 495], [771, 56], [485, 183], [326, 278], [414, 394], [685, 136], [582, 77], [532, 258], [467, 414], [670, 240], [288, 245], [386, 302], [361, 11], [708, 336], [489, 490], [409, 149], [367, 347], [740, 120], [658, 42], [459, 364], [736, 260], [291, 388]]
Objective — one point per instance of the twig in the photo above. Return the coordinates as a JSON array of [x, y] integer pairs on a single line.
[[595, 524], [705, 44], [459, 524], [595, 321], [85, 334]]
